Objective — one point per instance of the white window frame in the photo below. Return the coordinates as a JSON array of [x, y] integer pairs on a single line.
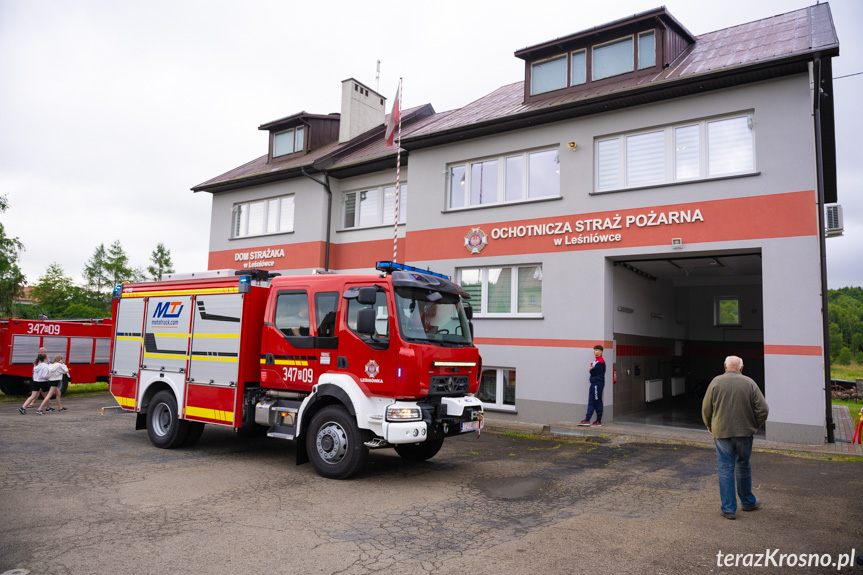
[[498, 404], [566, 64], [381, 220], [501, 180], [638, 49], [593, 49], [483, 312], [670, 153], [297, 133], [272, 219]]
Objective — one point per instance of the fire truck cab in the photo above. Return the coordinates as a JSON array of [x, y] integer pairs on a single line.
[[339, 363]]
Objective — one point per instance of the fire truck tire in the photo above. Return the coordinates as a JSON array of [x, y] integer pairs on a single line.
[[335, 444], [419, 451], [196, 428], [63, 387], [165, 428]]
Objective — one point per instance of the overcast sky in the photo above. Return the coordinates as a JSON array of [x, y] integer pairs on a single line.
[[110, 111]]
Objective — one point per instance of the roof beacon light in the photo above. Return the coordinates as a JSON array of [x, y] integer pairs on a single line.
[[390, 267], [245, 284]]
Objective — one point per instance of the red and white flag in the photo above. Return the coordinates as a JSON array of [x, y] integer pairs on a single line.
[[395, 115]]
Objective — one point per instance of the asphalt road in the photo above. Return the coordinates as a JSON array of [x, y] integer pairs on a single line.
[[83, 493]]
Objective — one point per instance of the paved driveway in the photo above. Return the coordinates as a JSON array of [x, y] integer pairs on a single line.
[[85, 493]]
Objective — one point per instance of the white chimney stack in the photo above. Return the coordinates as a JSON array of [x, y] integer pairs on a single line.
[[362, 110]]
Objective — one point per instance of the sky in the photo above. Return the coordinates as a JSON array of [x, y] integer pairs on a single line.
[[111, 111]]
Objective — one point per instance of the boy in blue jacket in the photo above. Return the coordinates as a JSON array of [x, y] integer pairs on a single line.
[[597, 384]]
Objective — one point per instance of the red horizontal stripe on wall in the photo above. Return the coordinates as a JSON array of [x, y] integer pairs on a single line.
[[790, 214], [792, 350], [522, 342]]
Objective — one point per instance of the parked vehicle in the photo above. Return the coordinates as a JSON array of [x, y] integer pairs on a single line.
[[340, 363], [85, 345]]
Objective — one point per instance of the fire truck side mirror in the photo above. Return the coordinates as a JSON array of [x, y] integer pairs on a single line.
[[468, 311], [366, 321], [367, 295]]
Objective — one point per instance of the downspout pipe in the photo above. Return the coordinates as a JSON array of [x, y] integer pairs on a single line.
[[326, 185], [822, 240]]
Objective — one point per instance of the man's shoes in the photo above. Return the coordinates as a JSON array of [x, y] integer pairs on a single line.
[[729, 514], [583, 423], [22, 410], [596, 424], [753, 507]]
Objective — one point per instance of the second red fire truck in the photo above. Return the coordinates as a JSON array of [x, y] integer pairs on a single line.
[[340, 363]]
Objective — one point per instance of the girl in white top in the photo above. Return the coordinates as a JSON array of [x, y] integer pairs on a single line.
[[39, 381], [56, 371]]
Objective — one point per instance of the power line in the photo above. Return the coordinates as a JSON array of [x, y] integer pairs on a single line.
[[848, 75]]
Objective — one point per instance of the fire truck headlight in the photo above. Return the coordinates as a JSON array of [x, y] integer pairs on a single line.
[[404, 414]]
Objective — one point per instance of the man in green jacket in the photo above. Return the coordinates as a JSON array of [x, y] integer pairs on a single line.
[[733, 409]]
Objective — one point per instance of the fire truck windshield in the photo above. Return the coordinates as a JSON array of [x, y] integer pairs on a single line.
[[431, 316]]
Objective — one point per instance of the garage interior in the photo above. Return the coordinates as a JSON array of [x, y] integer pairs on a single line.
[[675, 321]]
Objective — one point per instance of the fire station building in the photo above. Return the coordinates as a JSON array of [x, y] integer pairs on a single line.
[[643, 188]]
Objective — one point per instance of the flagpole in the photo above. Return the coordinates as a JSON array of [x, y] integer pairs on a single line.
[[398, 174]]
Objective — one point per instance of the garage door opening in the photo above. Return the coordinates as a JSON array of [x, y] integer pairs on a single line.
[[675, 321]]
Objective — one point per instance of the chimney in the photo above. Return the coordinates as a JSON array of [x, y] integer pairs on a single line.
[[362, 110]]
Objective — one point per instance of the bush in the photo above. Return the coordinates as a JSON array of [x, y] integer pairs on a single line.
[[844, 357]]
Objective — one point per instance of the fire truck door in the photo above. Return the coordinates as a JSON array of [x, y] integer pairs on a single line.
[[216, 339], [370, 358], [166, 333], [291, 359]]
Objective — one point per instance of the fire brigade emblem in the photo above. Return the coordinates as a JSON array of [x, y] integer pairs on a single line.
[[372, 368], [475, 240]]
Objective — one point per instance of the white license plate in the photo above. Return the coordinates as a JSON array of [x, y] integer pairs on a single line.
[[470, 426]]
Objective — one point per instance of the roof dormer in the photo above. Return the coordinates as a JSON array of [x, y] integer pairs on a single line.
[[301, 133], [640, 45]]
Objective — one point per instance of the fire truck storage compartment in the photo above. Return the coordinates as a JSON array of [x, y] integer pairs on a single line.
[[127, 344]]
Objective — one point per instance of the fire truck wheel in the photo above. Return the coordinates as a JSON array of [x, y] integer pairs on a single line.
[[14, 386], [335, 444], [196, 428], [165, 428], [419, 451]]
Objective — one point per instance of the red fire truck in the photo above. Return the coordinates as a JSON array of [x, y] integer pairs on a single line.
[[340, 363], [84, 344]]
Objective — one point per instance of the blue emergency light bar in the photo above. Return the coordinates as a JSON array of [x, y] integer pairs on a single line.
[[390, 267]]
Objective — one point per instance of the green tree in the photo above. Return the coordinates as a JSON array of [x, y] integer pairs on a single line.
[[11, 278], [54, 292], [844, 357], [160, 262], [95, 271], [117, 264]]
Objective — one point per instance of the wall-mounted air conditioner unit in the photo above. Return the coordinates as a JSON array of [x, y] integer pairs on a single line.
[[833, 223]]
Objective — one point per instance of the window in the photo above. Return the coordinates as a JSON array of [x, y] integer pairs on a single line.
[[497, 388], [646, 50], [548, 75], [504, 291], [511, 178], [382, 323], [270, 216], [578, 74], [292, 314], [326, 307], [288, 142], [375, 207], [727, 311], [613, 58], [696, 150]]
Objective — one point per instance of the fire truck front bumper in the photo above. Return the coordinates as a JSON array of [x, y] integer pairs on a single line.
[[445, 417]]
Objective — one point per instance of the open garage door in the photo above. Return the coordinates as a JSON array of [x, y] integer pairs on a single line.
[[676, 318]]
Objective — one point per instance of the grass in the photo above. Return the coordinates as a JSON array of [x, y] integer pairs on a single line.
[[75, 390], [849, 372]]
